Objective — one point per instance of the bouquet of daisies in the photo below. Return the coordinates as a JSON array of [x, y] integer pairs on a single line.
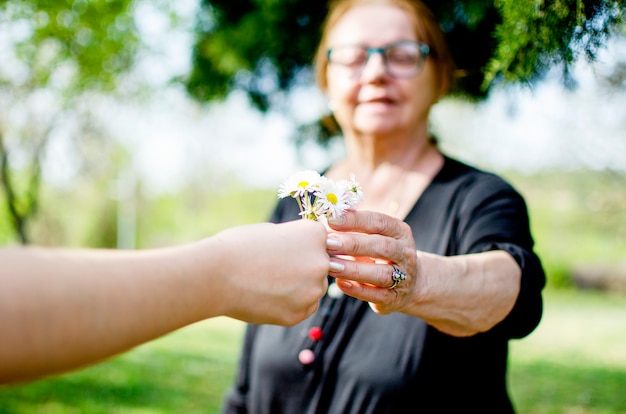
[[318, 196]]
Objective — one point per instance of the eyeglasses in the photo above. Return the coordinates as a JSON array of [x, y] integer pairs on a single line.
[[402, 59]]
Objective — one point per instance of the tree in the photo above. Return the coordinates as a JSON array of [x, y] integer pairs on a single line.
[[60, 52], [264, 47], [615, 77]]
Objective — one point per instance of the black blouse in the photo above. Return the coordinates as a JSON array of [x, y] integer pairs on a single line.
[[371, 363]]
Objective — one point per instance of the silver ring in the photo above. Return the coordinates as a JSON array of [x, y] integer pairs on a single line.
[[397, 276]]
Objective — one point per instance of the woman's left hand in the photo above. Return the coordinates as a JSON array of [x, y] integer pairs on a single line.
[[379, 249]]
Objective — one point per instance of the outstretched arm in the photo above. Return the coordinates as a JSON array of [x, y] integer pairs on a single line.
[[63, 309], [459, 295]]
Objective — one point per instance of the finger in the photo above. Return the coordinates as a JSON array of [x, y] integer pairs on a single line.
[[367, 245], [374, 274], [374, 295], [370, 222]]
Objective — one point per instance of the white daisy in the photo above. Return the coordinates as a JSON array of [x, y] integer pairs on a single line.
[[299, 184], [332, 199], [319, 197], [355, 193]]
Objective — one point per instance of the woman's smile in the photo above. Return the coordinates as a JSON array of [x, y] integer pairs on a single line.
[[379, 102]]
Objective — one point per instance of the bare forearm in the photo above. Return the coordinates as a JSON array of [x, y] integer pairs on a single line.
[[459, 295], [468, 294], [62, 309]]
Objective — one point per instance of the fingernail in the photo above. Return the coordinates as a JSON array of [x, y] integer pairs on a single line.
[[336, 266], [337, 220], [333, 243], [344, 283]]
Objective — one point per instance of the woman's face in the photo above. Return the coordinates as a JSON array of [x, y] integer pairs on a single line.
[[372, 101]]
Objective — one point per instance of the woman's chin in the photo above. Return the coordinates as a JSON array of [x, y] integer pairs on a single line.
[[375, 128], [374, 122]]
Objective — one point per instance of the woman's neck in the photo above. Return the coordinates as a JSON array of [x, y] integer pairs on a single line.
[[368, 154], [392, 173]]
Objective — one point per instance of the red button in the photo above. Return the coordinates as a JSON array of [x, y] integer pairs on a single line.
[[315, 333]]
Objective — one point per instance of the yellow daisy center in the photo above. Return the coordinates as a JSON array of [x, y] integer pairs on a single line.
[[332, 198]]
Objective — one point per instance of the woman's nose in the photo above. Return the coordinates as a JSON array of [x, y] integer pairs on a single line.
[[374, 67]]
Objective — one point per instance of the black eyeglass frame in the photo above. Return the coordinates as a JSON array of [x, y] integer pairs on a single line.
[[423, 48]]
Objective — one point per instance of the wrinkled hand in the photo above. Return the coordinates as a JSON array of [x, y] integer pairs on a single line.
[[376, 242]]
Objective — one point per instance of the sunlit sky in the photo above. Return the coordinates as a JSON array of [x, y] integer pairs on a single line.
[[527, 130]]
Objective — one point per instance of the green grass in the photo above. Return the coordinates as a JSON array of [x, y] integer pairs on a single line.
[[185, 372], [575, 362]]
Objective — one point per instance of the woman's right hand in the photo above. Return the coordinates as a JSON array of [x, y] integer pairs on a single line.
[[381, 245]]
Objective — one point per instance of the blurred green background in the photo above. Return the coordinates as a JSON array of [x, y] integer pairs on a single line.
[[575, 362], [136, 124]]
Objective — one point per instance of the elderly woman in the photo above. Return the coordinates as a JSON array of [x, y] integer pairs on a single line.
[[435, 273]]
